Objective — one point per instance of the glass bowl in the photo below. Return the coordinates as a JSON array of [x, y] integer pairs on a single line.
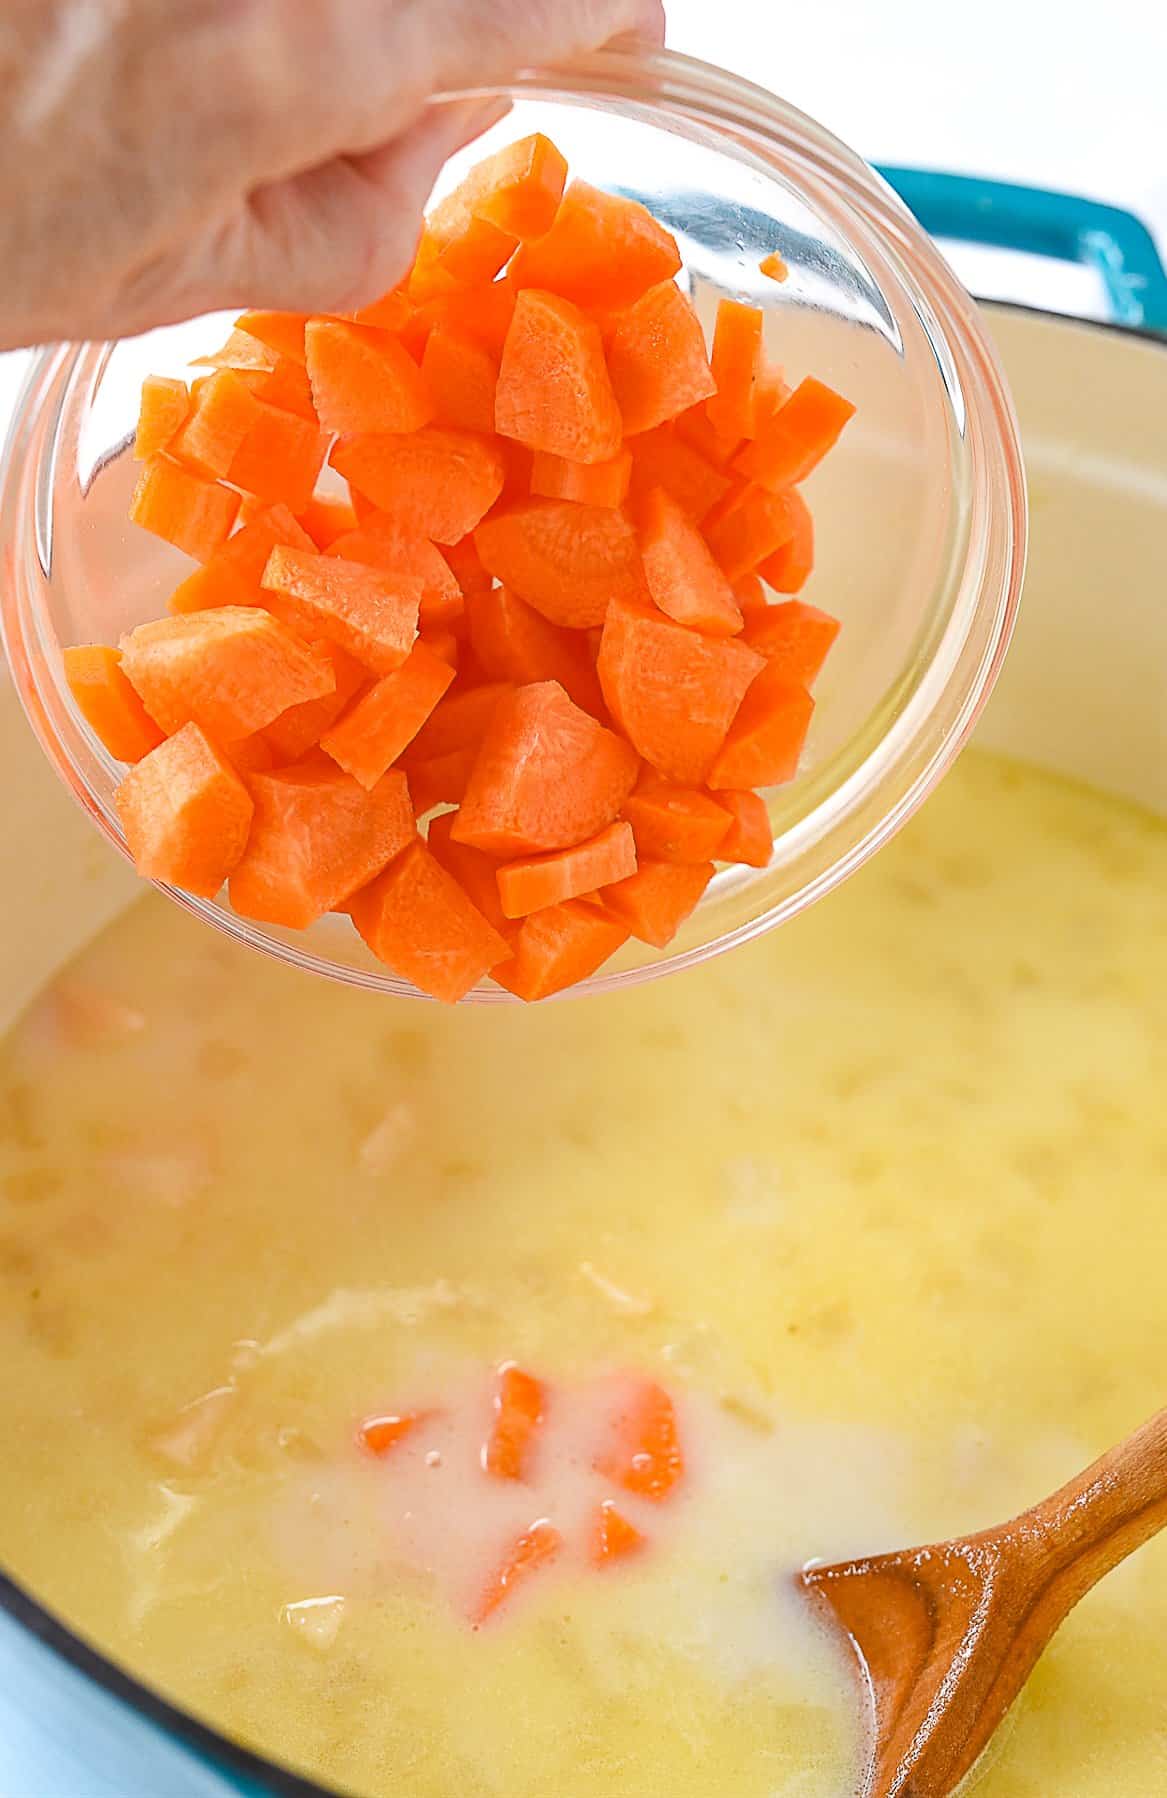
[[920, 511]]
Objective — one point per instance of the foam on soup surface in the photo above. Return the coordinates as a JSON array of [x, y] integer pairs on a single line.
[[877, 1203]]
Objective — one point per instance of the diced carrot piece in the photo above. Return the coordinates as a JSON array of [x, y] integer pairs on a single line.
[[253, 755], [444, 642], [794, 638], [538, 881], [164, 407], [645, 1456], [221, 415], [108, 702], [750, 838], [242, 352], [459, 721], [695, 428], [675, 824], [379, 1436], [772, 393], [417, 920], [230, 671], [559, 947], [554, 392], [371, 614], [520, 1406], [765, 739], [482, 313], [460, 377], [547, 776], [363, 380], [747, 527], [773, 267], [535, 1548], [736, 361], [440, 779], [683, 579], [613, 1538], [750, 596], [797, 437], [282, 332], [327, 519], [475, 872], [392, 312], [663, 458], [382, 542], [673, 692], [301, 727], [518, 188], [233, 574], [790, 567], [567, 561], [287, 387], [280, 458], [436, 482], [372, 734], [456, 250], [317, 837], [185, 813], [601, 250], [588, 484], [193, 514], [655, 901], [466, 565], [657, 359]]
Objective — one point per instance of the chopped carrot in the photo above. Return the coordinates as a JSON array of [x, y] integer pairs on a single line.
[[439, 779], [371, 614], [287, 387], [482, 313], [253, 754], [379, 1436], [748, 526], [444, 641], [794, 638], [368, 739], [280, 458], [465, 564], [791, 566], [221, 415], [520, 465], [773, 267], [244, 352], [673, 692], [282, 332], [459, 721], [772, 392], [301, 727], [547, 776], [317, 838], [559, 947], [675, 824], [232, 575], [363, 380], [186, 814], [541, 880], [750, 838], [461, 378], [613, 1538], [535, 1548], [601, 250], [554, 392], [193, 514], [658, 360], [456, 250], [736, 360], [231, 671], [683, 579], [436, 482], [567, 561], [164, 407], [588, 484], [417, 920], [655, 901], [520, 1406], [518, 188], [695, 428], [392, 312], [645, 1456], [514, 643], [108, 702], [765, 740], [327, 519], [475, 872], [663, 458], [382, 542], [797, 437], [750, 596]]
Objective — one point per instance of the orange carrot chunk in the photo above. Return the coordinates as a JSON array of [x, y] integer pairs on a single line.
[[459, 721], [482, 313], [541, 880], [435, 482], [379, 1436], [663, 458], [465, 564], [773, 267], [547, 776], [514, 643], [673, 692], [520, 1406], [301, 727], [645, 1454], [382, 542], [766, 738], [162, 413], [613, 1538], [567, 561], [747, 527], [558, 947], [231, 671], [594, 484], [363, 380], [439, 779], [253, 755], [790, 567], [750, 838], [287, 387], [794, 638], [222, 413], [108, 702], [417, 920], [243, 352], [554, 392], [750, 596], [325, 520], [736, 361], [371, 614], [535, 1548], [185, 813], [476, 873], [193, 514], [655, 901], [232, 575], [797, 437], [461, 378], [280, 458], [676, 824], [392, 312], [282, 332], [316, 838], [683, 579], [368, 739], [657, 359], [519, 188], [601, 250]]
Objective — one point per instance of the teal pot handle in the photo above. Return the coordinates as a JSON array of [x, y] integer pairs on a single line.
[[1064, 227]]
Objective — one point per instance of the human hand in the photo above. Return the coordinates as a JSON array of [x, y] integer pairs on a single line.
[[162, 158]]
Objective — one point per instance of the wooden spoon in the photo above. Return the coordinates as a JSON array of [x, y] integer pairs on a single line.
[[947, 1636]]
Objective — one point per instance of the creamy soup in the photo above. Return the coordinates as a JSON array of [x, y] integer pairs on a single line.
[[877, 1205]]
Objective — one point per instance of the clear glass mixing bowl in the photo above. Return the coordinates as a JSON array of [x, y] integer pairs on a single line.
[[920, 512]]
